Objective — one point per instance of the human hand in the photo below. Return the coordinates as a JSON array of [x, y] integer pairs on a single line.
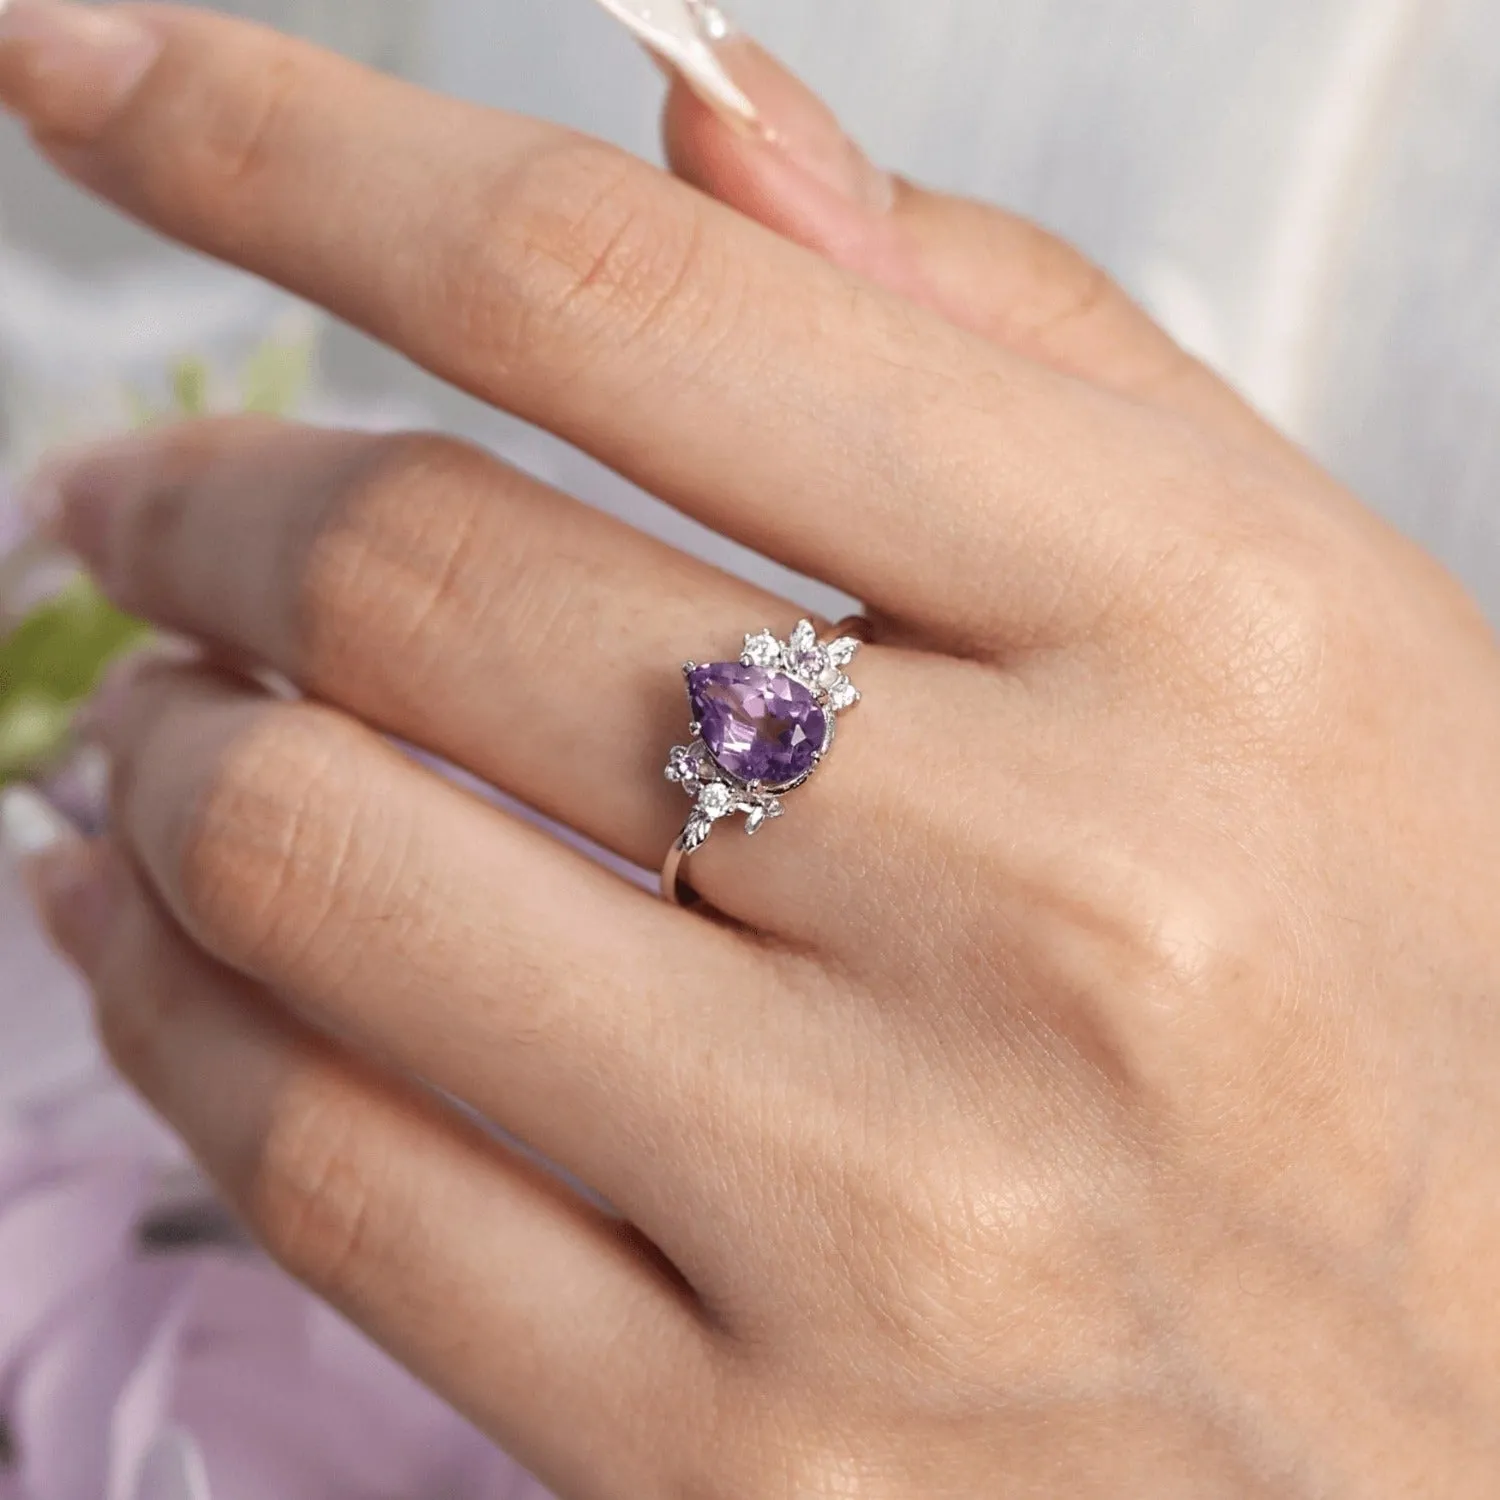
[[1092, 1091]]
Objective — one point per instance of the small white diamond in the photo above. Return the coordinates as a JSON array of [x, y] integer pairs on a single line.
[[809, 665], [803, 638], [843, 694], [762, 650], [715, 800], [773, 807], [682, 766], [843, 651]]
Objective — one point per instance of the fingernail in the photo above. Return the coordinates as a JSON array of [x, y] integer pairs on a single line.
[[79, 787], [30, 825], [686, 35], [106, 704], [799, 124], [65, 68], [105, 709], [40, 500], [67, 877], [71, 496], [749, 88]]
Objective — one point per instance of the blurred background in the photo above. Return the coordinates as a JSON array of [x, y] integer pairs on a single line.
[[1304, 191]]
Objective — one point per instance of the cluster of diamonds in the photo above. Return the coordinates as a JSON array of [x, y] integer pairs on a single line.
[[800, 656], [719, 795]]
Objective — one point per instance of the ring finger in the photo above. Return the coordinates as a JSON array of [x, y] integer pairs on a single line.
[[452, 601]]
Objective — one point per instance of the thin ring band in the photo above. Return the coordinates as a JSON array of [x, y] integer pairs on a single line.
[[675, 886]]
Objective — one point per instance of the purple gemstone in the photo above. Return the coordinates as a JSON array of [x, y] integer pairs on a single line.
[[758, 724]]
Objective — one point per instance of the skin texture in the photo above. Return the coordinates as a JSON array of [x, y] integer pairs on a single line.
[[1091, 1091]]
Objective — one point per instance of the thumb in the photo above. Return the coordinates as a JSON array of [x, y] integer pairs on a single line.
[[790, 165]]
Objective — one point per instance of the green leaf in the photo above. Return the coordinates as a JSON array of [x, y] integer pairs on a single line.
[[65, 643], [190, 387], [276, 375], [53, 660], [50, 663], [31, 727]]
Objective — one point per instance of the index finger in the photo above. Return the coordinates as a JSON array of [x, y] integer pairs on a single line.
[[772, 395]]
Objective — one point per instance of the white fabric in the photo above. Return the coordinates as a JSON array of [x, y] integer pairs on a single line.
[[1302, 189]]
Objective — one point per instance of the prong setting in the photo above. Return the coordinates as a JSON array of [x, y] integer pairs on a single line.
[[797, 669]]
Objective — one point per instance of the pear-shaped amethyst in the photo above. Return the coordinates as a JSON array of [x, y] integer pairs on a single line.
[[759, 725]]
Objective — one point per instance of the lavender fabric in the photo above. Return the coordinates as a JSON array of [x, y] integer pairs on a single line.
[[201, 1373]]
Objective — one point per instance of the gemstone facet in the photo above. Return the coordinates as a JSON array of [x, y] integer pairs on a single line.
[[758, 724]]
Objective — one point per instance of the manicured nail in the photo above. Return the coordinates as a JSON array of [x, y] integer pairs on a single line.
[[79, 787], [65, 68], [750, 88], [67, 877], [803, 128], [105, 709], [687, 34], [40, 500]]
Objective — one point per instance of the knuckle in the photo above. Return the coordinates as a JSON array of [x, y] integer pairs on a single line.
[[1066, 289], [428, 548], [314, 1184], [1162, 971], [966, 1235], [405, 554], [267, 844], [395, 554], [241, 120], [1275, 623], [1065, 307], [1185, 950], [1250, 606], [589, 252]]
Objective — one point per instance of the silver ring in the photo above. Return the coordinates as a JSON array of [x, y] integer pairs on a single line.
[[760, 726]]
